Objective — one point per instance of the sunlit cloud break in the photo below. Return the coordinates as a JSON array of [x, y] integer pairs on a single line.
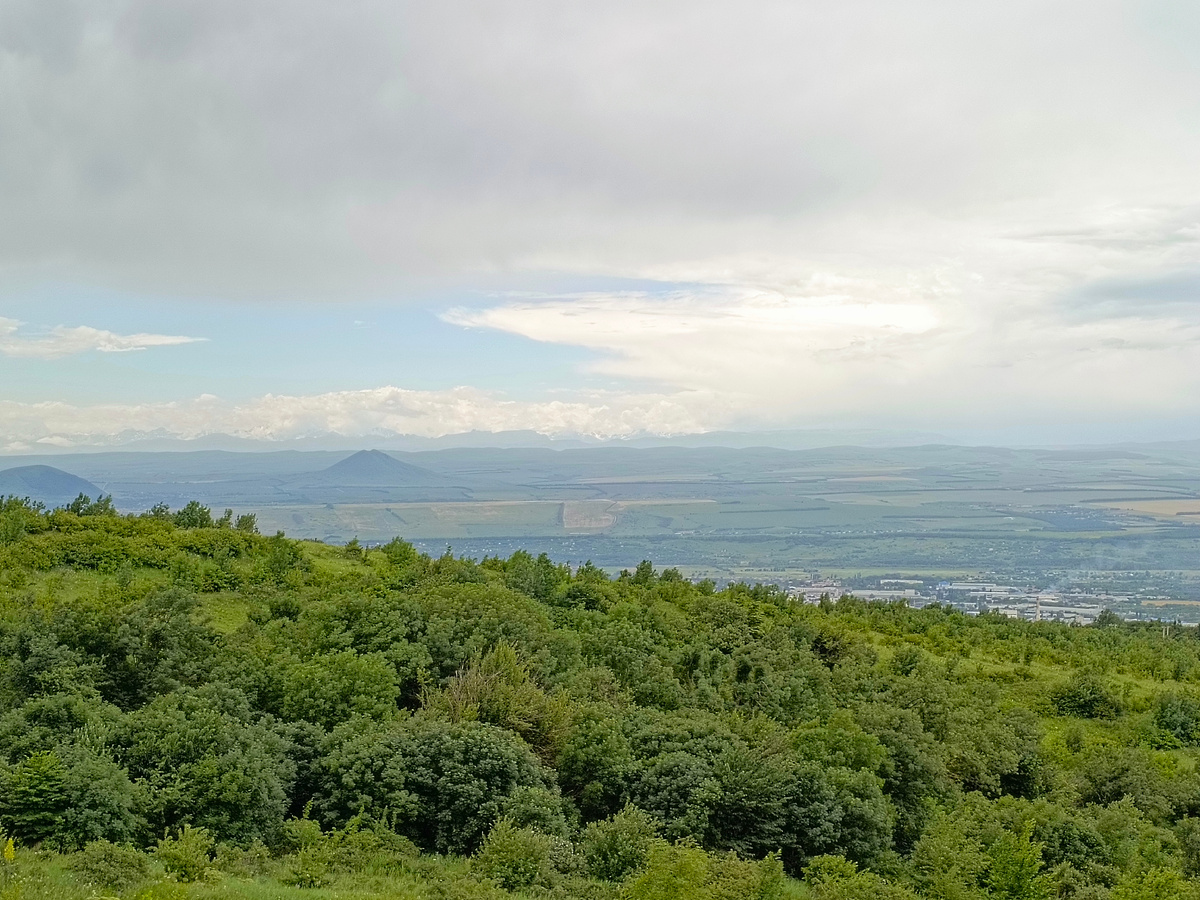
[[378, 411], [928, 348], [63, 341]]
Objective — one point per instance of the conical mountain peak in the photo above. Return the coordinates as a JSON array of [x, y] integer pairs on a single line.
[[374, 467]]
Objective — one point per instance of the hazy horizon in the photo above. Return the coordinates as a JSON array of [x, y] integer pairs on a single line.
[[779, 439]]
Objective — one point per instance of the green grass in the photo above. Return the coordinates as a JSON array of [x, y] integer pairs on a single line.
[[44, 875]]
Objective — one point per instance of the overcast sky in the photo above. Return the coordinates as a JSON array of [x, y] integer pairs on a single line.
[[278, 219]]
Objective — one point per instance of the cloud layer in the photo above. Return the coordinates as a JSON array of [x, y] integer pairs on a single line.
[[280, 145], [378, 411], [945, 347], [63, 341], [845, 213]]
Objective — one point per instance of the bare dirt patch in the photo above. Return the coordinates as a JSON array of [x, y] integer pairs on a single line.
[[588, 515]]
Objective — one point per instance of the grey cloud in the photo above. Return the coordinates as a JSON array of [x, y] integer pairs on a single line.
[[50, 31], [259, 147]]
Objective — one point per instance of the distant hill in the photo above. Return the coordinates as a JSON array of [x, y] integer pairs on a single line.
[[373, 468], [46, 484], [371, 476]]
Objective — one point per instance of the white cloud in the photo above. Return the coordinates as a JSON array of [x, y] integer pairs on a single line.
[[63, 341], [384, 410], [964, 344]]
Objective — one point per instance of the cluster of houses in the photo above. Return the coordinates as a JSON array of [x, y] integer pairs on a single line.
[[975, 597]]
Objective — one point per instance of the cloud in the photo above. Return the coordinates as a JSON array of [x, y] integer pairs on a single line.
[[377, 411], [856, 211], [63, 341], [288, 147], [895, 353]]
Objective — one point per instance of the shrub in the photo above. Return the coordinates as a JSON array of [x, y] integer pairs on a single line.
[[1156, 884], [373, 851], [330, 688], [1085, 696], [102, 803], [466, 889], [109, 865], [515, 858], [1016, 863], [1179, 715], [299, 834], [308, 869], [188, 855], [193, 515], [245, 863], [836, 878], [673, 872], [442, 785], [1187, 833], [366, 850], [204, 760], [566, 858], [537, 807], [619, 845]]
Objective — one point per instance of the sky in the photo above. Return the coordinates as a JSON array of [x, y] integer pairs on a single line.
[[280, 220]]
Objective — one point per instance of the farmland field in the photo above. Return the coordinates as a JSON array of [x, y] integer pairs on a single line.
[[1123, 517]]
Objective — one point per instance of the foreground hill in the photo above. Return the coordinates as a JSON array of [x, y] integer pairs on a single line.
[[272, 717]]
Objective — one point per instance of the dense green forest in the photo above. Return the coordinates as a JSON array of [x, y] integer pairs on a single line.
[[189, 709]]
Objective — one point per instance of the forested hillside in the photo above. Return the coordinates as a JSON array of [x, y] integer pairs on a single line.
[[190, 709]]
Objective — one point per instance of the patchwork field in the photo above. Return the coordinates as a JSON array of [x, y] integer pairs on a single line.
[[1165, 509], [1124, 517]]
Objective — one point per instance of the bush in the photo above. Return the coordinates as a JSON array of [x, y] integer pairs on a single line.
[[836, 878], [515, 858], [1156, 884], [1179, 715], [373, 851], [1016, 864], [245, 863], [442, 785], [317, 854], [193, 515], [1187, 834], [204, 760], [683, 871], [102, 803], [300, 834], [1085, 696], [188, 855], [537, 807], [309, 869], [618, 846], [565, 857], [466, 889], [108, 865]]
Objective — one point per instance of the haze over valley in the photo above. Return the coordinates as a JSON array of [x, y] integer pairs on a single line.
[[1120, 520]]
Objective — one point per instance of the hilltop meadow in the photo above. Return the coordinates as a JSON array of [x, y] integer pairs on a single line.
[[190, 710]]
